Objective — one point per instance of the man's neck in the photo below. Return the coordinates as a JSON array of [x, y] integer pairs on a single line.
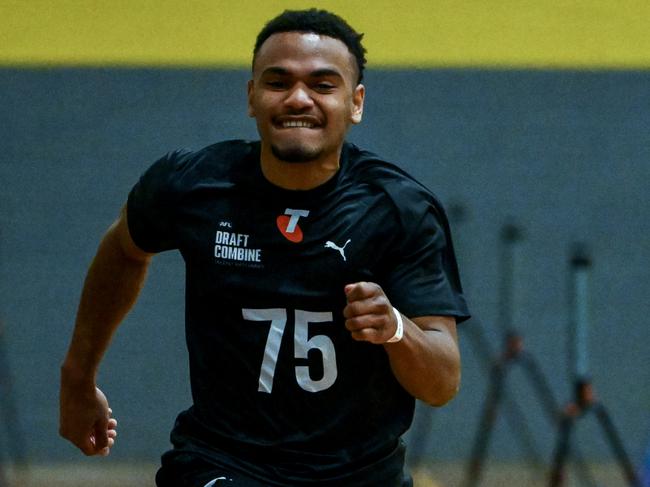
[[299, 176]]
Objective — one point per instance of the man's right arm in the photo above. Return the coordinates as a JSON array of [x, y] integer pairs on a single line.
[[110, 290]]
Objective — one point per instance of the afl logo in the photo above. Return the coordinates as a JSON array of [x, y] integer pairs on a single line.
[[288, 224]]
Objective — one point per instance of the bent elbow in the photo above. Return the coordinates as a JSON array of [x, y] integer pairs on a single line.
[[444, 391], [442, 397]]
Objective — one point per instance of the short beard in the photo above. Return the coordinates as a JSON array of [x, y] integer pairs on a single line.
[[295, 154]]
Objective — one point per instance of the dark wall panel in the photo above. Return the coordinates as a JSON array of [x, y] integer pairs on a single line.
[[564, 154]]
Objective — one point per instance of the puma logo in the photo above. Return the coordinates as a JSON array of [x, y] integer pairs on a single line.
[[331, 245]]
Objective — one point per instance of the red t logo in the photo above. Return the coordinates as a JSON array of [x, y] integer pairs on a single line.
[[288, 224]]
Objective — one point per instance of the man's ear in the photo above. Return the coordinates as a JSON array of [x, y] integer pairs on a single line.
[[357, 103], [250, 87]]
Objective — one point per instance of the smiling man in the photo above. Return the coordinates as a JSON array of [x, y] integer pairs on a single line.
[[322, 290], [305, 94]]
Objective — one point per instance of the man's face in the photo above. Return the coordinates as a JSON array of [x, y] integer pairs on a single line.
[[304, 96]]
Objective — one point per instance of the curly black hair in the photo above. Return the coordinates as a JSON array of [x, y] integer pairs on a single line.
[[319, 22]]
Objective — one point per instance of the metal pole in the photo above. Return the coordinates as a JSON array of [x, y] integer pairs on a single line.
[[509, 260], [579, 330]]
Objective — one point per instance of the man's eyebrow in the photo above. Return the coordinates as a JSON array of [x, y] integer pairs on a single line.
[[275, 70], [319, 73]]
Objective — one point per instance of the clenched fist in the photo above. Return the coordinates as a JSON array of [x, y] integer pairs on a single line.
[[369, 316]]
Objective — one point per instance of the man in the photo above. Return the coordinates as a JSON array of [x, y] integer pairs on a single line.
[[299, 251]]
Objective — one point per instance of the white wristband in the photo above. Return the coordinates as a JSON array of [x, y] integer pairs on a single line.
[[399, 332]]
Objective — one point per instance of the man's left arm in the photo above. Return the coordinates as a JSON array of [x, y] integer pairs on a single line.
[[426, 361]]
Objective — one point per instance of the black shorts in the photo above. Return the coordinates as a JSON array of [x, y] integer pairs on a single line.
[[183, 468], [187, 469]]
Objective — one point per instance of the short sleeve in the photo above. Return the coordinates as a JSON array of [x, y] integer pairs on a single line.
[[422, 276], [151, 204]]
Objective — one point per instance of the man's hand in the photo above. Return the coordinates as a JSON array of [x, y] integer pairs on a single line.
[[85, 419], [369, 316]]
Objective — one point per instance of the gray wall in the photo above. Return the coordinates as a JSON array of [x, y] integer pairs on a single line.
[[564, 154]]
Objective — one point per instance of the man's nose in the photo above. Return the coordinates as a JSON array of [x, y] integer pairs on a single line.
[[299, 98]]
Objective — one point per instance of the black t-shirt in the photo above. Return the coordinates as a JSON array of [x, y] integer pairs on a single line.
[[275, 375]]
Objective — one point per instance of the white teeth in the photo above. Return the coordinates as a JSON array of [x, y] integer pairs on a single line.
[[295, 123]]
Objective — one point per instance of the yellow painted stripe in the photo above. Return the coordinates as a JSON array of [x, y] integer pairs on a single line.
[[411, 33]]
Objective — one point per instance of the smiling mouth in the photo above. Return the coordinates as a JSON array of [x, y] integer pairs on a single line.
[[297, 124], [293, 122], [290, 124]]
